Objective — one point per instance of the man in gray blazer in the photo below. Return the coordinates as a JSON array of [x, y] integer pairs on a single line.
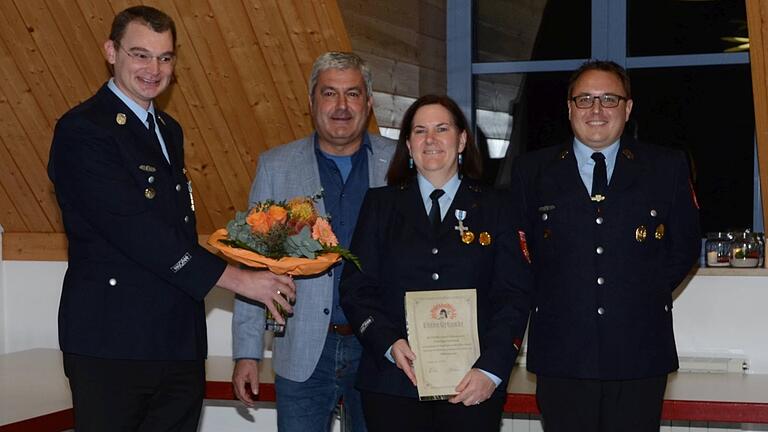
[[316, 360]]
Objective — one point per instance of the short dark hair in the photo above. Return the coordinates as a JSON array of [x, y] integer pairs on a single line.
[[605, 66], [399, 172], [153, 18]]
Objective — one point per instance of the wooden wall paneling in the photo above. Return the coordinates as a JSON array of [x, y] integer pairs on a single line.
[[332, 24], [84, 46], [10, 219], [302, 27], [33, 194], [20, 97], [12, 178], [757, 24], [223, 76], [98, 16], [30, 60], [200, 96], [283, 66], [61, 63], [34, 246], [263, 99]]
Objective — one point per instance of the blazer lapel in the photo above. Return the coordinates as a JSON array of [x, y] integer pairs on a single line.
[[307, 172], [628, 168], [378, 164], [565, 174], [134, 130], [411, 207]]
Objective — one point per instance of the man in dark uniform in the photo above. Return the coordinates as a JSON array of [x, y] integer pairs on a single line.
[[611, 227], [131, 317]]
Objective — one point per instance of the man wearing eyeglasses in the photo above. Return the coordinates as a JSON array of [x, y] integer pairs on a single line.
[[131, 317], [611, 228]]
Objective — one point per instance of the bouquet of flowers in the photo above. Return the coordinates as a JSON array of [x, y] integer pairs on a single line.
[[285, 237]]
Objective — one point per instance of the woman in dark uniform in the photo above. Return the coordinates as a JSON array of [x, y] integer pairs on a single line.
[[435, 228]]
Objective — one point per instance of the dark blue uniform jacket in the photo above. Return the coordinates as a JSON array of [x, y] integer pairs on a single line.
[[604, 273], [137, 277], [399, 252]]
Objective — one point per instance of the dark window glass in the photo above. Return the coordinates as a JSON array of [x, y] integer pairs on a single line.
[[665, 27], [708, 113], [536, 110], [508, 30]]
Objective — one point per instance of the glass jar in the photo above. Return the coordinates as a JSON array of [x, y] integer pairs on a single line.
[[761, 241], [745, 250], [717, 249]]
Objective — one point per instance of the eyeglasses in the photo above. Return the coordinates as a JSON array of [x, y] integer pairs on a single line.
[[607, 100], [144, 59]]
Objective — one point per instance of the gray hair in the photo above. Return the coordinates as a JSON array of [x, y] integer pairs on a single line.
[[339, 60]]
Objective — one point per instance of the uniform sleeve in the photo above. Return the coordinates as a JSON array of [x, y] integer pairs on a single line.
[[361, 291], [249, 317], [683, 242], [94, 184]]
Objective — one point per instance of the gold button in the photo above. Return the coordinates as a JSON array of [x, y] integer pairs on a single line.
[[149, 193]]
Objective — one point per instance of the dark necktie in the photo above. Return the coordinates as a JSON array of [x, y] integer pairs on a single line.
[[599, 177], [434, 212], [153, 134]]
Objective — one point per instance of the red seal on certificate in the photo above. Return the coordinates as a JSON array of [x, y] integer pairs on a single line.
[[442, 311]]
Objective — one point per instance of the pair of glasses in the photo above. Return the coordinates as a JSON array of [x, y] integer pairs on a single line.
[[144, 58], [607, 100]]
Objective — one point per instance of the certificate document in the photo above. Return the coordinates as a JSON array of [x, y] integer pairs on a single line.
[[442, 332]]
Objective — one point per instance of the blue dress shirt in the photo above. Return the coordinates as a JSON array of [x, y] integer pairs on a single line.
[[343, 196], [586, 164]]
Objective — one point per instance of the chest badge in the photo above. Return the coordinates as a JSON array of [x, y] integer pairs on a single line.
[[149, 193], [659, 234], [641, 233], [484, 239], [120, 119]]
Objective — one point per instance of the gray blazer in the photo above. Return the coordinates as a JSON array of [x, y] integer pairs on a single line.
[[283, 173]]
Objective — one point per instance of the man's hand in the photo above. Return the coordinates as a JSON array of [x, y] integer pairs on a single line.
[[404, 358], [245, 380], [474, 388], [262, 286]]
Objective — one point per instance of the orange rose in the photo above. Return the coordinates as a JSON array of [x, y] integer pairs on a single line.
[[323, 233], [277, 214], [259, 221]]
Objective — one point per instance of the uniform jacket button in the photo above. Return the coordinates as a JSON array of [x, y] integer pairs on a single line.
[[600, 280], [599, 220], [600, 311], [544, 216], [434, 251], [112, 282], [186, 219], [599, 250], [435, 276], [178, 187]]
